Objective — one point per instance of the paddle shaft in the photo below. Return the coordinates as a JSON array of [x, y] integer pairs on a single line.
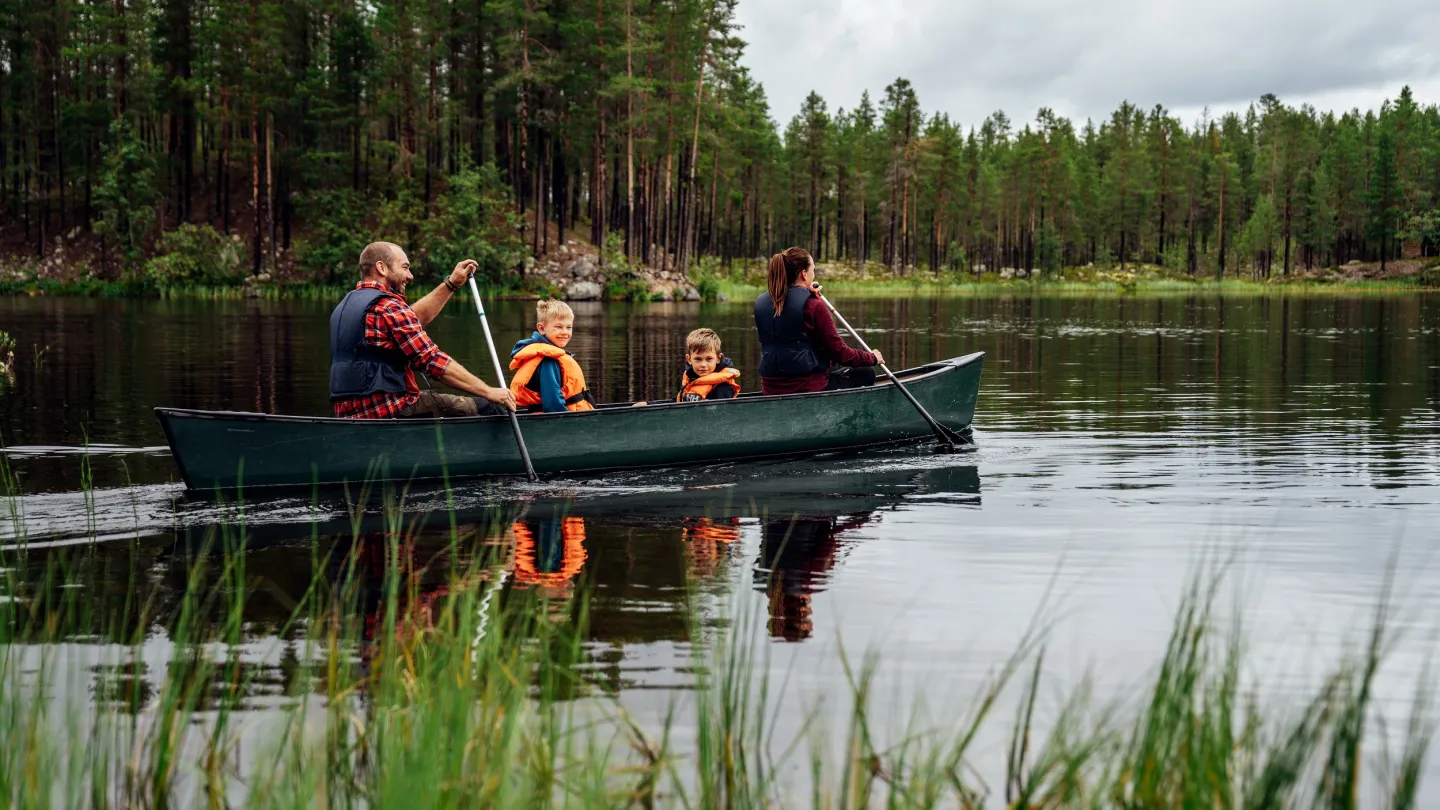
[[500, 378], [934, 425]]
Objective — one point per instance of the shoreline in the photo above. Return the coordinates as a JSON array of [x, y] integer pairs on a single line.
[[721, 289]]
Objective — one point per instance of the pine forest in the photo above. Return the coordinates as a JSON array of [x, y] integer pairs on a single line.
[[280, 137]]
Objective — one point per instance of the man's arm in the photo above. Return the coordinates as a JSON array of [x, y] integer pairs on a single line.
[[456, 376], [422, 354], [428, 307]]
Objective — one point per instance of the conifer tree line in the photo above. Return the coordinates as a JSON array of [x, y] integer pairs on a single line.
[[299, 129]]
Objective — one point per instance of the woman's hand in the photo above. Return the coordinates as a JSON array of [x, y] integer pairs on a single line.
[[879, 358], [815, 287]]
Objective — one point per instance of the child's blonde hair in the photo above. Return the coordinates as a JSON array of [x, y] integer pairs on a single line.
[[702, 339], [548, 309]]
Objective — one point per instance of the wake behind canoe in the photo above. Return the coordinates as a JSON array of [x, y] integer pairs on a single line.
[[223, 450]]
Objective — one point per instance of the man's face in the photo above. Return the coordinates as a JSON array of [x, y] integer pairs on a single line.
[[557, 330], [395, 272], [704, 361]]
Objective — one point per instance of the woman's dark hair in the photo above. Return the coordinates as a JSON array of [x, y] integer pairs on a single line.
[[785, 267]]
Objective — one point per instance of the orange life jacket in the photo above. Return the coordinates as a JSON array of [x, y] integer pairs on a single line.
[[697, 390], [527, 563], [527, 389]]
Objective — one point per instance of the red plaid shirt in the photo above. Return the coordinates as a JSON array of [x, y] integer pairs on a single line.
[[390, 323]]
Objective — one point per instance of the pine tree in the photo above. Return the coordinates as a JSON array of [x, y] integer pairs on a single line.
[[1383, 195]]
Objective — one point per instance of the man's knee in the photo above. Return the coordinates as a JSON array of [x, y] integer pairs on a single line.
[[431, 404], [451, 405]]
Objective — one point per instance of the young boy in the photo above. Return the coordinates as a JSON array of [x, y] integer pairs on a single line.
[[546, 377], [708, 373]]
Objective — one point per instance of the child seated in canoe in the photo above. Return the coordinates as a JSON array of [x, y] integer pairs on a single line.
[[547, 378], [709, 374]]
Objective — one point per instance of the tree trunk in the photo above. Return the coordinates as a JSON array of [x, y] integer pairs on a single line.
[[688, 215], [629, 138], [1220, 274], [270, 186], [255, 244]]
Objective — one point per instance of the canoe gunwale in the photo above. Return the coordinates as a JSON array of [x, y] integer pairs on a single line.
[[927, 372], [338, 487]]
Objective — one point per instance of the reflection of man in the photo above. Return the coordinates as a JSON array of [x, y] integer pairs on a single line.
[[796, 556], [378, 342], [380, 555], [425, 572]]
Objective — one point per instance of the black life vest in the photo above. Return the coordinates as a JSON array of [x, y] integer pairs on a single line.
[[358, 369], [785, 347]]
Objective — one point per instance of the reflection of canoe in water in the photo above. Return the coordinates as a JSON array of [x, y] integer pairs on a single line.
[[768, 491], [223, 450]]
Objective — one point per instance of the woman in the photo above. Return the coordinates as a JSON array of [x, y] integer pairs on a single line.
[[798, 341]]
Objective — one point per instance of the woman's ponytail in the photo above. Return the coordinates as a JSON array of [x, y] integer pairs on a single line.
[[785, 267], [776, 283]]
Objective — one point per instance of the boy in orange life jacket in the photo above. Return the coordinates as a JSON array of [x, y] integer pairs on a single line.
[[708, 373], [546, 377]]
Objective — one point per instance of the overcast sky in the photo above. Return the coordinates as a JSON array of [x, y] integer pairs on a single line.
[[1082, 58]]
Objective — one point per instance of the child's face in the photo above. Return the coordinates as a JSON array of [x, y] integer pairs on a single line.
[[557, 330], [704, 361]]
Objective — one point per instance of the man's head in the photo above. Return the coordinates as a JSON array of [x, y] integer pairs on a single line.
[[386, 263], [555, 320], [702, 351]]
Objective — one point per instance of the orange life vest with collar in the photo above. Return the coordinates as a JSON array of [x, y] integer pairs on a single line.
[[527, 390], [699, 389], [527, 562]]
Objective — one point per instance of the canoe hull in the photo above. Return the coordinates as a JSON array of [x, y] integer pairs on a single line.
[[228, 450]]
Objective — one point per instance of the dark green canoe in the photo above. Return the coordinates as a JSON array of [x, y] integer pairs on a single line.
[[224, 450]]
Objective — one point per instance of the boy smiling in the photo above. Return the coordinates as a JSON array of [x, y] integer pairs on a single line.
[[709, 374], [547, 378]]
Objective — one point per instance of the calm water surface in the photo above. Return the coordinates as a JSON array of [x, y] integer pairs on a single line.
[[1120, 441]]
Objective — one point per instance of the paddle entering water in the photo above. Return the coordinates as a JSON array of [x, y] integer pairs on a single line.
[[500, 378], [946, 436]]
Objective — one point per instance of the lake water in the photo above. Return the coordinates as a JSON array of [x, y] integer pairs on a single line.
[[1120, 443]]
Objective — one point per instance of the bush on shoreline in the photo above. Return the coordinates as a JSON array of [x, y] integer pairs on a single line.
[[196, 255]]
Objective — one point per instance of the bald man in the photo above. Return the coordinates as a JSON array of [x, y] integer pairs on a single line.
[[378, 342]]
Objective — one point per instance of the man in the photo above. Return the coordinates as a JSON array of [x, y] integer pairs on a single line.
[[378, 342]]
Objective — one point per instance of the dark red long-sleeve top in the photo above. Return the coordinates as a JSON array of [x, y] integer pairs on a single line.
[[829, 347]]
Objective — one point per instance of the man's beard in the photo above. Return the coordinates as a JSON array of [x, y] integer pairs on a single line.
[[397, 287]]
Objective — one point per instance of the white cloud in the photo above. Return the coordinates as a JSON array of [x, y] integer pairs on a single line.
[[1083, 58]]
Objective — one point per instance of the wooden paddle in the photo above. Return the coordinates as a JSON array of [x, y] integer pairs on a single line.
[[947, 437], [500, 377]]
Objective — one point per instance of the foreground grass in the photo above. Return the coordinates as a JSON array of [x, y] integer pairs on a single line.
[[481, 698]]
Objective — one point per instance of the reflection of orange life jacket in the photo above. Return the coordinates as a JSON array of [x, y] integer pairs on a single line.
[[527, 389], [712, 531], [529, 561], [697, 390]]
